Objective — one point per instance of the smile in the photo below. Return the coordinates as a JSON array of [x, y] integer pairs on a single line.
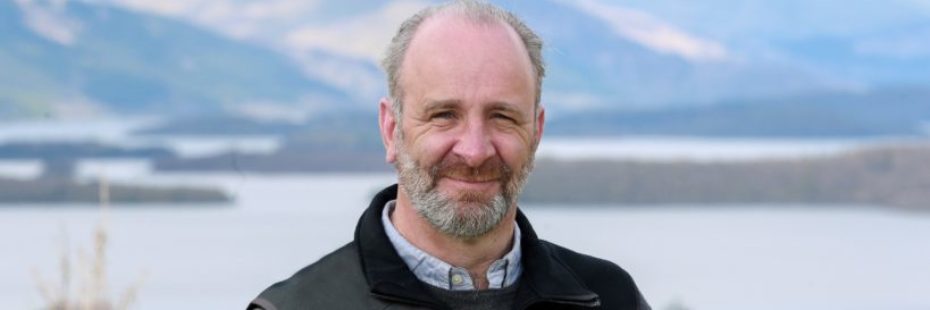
[[473, 184]]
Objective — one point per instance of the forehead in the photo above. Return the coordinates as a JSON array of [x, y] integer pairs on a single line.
[[454, 57]]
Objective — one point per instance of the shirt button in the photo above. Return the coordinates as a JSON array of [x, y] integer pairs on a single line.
[[457, 279]]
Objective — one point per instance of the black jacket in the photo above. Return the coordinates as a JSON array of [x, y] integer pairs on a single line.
[[368, 274]]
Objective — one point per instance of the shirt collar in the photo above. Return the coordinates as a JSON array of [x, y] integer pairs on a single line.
[[433, 271]]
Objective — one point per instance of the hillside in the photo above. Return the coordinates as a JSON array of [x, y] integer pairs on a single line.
[[329, 143], [895, 177], [124, 56], [80, 57], [870, 43], [599, 58], [884, 112], [889, 112]]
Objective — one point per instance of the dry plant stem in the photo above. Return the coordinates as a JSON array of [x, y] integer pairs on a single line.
[[91, 272]]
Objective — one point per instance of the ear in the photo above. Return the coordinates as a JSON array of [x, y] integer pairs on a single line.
[[540, 124], [387, 125]]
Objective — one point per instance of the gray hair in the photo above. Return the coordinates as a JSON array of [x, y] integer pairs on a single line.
[[474, 10]]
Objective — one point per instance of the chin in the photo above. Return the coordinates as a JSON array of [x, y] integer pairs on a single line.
[[472, 197]]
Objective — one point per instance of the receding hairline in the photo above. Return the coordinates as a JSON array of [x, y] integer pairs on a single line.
[[455, 17], [476, 13]]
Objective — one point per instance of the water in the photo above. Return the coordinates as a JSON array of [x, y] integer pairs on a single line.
[[118, 132], [701, 149], [219, 257], [216, 257], [21, 169]]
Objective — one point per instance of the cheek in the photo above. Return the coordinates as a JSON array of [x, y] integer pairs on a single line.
[[513, 150], [430, 149]]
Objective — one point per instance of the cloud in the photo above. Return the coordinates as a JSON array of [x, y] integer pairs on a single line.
[[906, 46], [245, 19], [364, 36], [49, 19], [653, 33], [342, 51], [163, 7]]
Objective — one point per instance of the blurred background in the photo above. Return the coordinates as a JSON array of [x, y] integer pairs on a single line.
[[730, 154]]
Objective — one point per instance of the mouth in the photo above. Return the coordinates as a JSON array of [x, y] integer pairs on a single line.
[[482, 184], [475, 179], [458, 178]]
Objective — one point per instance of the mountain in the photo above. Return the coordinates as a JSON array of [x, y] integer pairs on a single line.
[[283, 58], [884, 112], [601, 56], [869, 43], [611, 53], [64, 56]]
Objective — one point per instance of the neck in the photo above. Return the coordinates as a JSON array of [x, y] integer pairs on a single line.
[[474, 254]]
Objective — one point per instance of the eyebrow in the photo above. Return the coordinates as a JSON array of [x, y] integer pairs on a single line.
[[441, 104], [503, 106], [454, 104]]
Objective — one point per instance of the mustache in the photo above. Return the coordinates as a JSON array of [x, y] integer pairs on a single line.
[[492, 169]]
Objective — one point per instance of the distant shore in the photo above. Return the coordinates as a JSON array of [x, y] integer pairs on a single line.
[[892, 174], [61, 191], [888, 176]]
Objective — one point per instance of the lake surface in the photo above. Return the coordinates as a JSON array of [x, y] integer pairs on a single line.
[[219, 257], [119, 132]]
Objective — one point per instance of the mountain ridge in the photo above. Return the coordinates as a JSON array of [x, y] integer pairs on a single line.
[[130, 63], [250, 61]]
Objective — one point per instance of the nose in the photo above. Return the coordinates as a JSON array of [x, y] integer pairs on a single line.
[[474, 144]]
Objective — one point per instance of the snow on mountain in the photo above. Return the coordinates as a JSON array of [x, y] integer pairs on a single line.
[[652, 32], [602, 53]]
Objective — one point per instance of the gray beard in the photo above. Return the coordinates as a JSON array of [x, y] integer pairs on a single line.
[[449, 215]]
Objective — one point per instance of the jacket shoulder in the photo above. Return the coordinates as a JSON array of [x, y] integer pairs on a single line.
[[613, 284], [334, 281]]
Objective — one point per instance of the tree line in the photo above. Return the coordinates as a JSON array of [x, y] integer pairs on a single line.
[[896, 176]]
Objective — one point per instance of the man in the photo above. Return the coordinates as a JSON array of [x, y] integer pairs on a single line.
[[461, 127]]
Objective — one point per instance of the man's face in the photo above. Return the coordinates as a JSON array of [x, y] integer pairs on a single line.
[[469, 129]]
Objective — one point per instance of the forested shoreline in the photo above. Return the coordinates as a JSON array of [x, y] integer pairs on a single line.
[[893, 176]]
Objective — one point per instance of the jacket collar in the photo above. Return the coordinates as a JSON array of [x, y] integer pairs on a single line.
[[545, 278]]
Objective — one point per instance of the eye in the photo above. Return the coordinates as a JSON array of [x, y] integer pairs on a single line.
[[502, 116], [443, 115]]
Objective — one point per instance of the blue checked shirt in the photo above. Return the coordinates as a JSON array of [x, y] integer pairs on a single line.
[[502, 272]]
